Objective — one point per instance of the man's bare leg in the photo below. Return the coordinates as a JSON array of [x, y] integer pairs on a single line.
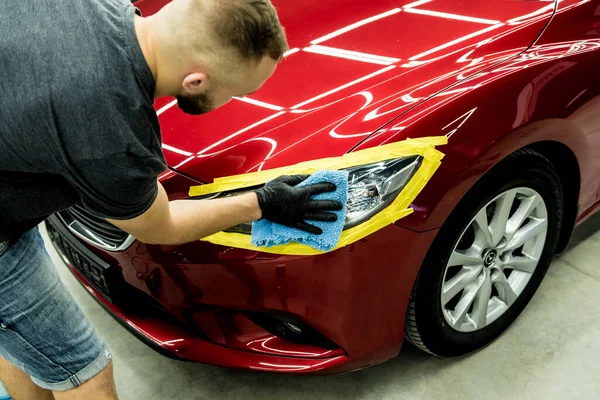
[[19, 384], [100, 387]]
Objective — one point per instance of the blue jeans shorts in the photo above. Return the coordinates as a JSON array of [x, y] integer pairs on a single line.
[[42, 329]]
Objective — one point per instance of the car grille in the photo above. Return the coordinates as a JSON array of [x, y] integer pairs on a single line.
[[95, 230]]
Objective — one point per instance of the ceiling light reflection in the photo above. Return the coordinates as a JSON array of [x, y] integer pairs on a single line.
[[463, 118], [202, 153], [347, 85], [290, 52], [523, 18], [356, 25], [576, 97], [456, 41], [259, 103], [166, 107], [389, 60], [346, 56], [452, 16], [176, 150], [416, 4]]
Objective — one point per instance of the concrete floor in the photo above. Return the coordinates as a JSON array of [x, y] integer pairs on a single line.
[[551, 352]]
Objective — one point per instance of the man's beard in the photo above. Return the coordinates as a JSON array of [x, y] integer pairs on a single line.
[[195, 104]]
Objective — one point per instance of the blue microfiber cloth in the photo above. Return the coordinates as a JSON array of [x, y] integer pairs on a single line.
[[3, 394], [269, 234]]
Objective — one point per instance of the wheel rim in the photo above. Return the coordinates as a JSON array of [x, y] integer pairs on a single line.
[[494, 259]]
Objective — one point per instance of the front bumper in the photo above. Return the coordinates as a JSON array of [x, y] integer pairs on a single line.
[[201, 295]]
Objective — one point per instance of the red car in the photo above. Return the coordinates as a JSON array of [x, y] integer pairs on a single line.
[[511, 86]]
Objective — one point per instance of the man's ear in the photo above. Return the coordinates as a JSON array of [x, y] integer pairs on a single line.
[[196, 82]]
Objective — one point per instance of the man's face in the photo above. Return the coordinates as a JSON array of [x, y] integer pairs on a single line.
[[244, 82]]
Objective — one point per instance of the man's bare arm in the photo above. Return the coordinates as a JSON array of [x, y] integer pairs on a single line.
[[183, 221], [280, 201]]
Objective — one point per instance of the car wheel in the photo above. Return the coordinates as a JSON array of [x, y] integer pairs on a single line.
[[488, 259]]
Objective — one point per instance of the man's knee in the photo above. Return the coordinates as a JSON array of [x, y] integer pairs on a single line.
[[100, 387], [19, 385]]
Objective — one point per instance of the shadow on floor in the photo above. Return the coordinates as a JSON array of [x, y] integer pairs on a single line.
[[228, 383], [587, 230]]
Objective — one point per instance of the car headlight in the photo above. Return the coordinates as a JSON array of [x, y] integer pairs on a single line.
[[371, 188]]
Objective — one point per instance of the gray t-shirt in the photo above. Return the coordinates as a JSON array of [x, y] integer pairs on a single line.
[[77, 123]]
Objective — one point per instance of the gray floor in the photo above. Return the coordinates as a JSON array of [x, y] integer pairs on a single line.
[[551, 352]]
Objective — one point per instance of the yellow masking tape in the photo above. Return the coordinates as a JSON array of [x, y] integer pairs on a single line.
[[424, 147]]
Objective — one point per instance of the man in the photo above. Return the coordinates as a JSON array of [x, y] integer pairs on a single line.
[[78, 79]]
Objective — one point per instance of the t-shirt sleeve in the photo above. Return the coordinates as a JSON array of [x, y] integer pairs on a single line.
[[112, 153], [122, 186]]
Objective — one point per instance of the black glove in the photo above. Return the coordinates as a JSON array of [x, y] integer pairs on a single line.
[[287, 205]]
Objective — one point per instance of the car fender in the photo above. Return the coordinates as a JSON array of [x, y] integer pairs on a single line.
[[546, 94], [431, 211]]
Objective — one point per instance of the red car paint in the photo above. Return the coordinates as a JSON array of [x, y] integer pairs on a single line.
[[322, 104], [493, 75]]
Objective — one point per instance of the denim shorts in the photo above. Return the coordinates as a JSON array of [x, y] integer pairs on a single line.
[[42, 329]]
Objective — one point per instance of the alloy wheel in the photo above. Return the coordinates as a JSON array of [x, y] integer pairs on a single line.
[[494, 259]]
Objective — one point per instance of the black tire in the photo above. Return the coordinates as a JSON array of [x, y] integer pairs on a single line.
[[425, 325]]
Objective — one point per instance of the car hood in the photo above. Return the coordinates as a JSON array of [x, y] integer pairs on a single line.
[[352, 67]]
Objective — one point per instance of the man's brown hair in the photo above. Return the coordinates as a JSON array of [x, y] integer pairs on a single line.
[[251, 27]]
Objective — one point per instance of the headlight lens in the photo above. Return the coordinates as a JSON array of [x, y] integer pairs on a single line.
[[371, 188]]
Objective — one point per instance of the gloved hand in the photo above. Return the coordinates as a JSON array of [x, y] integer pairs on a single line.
[[291, 206]]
